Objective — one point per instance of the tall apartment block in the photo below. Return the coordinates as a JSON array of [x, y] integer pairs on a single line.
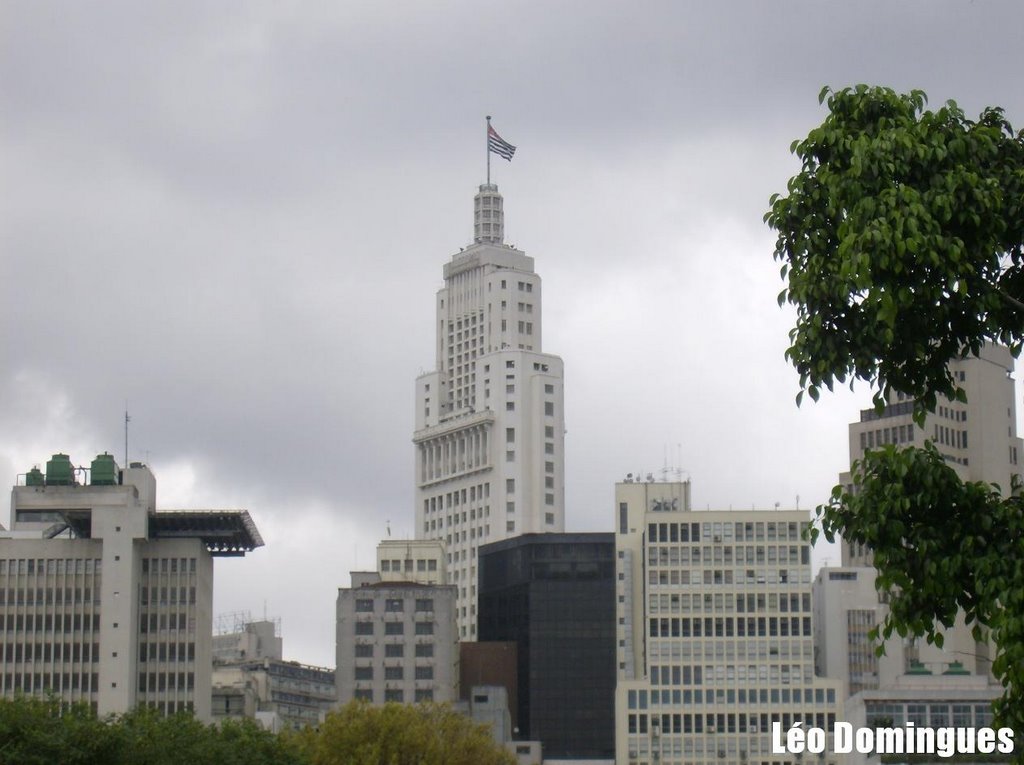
[[396, 636], [104, 599], [490, 425], [715, 631], [978, 438], [554, 596]]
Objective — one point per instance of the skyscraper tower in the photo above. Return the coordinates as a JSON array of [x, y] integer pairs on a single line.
[[490, 424]]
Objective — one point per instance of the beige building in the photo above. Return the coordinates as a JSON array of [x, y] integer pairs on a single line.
[[396, 638], [251, 679], [105, 600], [978, 438], [490, 425], [715, 631]]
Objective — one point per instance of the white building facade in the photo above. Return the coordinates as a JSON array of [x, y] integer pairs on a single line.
[[490, 424], [103, 599], [715, 635]]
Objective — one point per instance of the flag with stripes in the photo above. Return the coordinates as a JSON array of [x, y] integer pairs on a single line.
[[498, 145]]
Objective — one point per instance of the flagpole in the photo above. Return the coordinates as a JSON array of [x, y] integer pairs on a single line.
[[487, 145]]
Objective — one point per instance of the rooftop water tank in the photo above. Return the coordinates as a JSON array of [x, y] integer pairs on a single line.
[[104, 470], [34, 477], [60, 471]]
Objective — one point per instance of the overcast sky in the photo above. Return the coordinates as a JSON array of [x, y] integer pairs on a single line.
[[232, 219]]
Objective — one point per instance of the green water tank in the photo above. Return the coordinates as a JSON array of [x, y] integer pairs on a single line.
[[60, 471], [104, 470], [34, 477]]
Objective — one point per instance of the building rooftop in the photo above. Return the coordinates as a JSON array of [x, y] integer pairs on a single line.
[[224, 532]]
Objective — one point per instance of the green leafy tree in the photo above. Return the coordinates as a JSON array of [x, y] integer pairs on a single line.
[[401, 734], [901, 240], [902, 246], [37, 731]]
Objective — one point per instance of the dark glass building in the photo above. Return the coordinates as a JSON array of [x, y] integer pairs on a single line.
[[554, 595]]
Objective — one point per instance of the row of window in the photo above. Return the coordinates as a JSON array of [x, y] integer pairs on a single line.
[[394, 650], [158, 622], [33, 566], [394, 605], [179, 651], [47, 652], [422, 565], [29, 682], [728, 626], [164, 595], [675, 577], [421, 696], [38, 596], [394, 628], [394, 673], [749, 531], [155, 682], [742, 603], [724, 722], [684, 555], [729, 650], [638, 699], [49, 622], [168, 565]]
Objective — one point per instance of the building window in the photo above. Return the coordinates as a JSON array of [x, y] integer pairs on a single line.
[[424, 673], [394, 650], [364, 628], [394, 605], [549, 467], [549, 519], [424, 604], [393, 673], [424, 628], [364, 673], [424, 650], [364, 694], [549, 409], [424, 695], [510, 526], [394, 694], [364, 650], [366, 605], [510, 435], [549, 499], [394, 628]]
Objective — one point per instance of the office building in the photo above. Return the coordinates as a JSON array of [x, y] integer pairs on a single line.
[[554, 596], [251, 679], [489, 433], [104, 599], [977, 438], [715, 631], [396, 639]]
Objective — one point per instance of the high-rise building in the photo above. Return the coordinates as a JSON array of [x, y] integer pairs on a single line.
[[715, 631], [396, 635], [554, 596], [490, 424], [105, 600], [977, 438]]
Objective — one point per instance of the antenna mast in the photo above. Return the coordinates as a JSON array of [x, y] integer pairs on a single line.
[[127, 419]]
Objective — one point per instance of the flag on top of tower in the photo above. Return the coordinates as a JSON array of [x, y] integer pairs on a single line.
[[498, 145]]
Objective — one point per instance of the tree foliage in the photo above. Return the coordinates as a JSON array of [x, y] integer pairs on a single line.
[[37, 731], [940, 545], [902, 247], [400, 734], [901, 243]]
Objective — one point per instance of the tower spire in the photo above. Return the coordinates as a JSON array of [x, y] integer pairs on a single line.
[[488, 215]]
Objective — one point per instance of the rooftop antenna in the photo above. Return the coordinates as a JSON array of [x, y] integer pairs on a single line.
[[127, 419], [387, 525]]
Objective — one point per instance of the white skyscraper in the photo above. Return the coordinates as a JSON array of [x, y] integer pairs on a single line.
[[489, 420]]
